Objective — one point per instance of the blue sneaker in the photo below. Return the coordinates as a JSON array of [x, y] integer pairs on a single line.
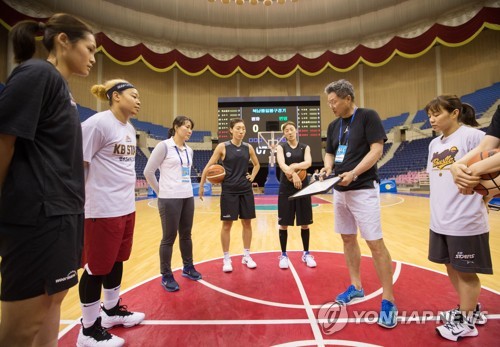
[[168, 282], [350, 294], [388, 317], [191, 273]]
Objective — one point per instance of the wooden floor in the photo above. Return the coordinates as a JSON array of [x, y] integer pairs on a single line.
[[405, 224]]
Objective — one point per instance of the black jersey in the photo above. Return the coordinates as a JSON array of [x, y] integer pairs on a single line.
[[366, 128], [494, 128], [292, 155], [236, 164], [46, 171]]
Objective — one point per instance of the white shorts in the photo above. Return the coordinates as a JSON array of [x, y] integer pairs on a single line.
[[358, 209]]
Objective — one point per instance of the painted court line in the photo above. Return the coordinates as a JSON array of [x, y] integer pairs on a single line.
[[310, 314]]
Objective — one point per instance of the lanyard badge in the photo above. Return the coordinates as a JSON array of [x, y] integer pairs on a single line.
[[185, 169], [342, 148]]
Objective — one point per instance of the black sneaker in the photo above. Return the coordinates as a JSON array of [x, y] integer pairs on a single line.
[[168, 282], [96, 335], [119, 315], [191, 273]]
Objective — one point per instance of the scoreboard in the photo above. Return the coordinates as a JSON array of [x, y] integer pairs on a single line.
[[269, 114]]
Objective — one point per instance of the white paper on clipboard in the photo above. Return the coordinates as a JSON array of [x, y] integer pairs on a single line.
[[317, 187]]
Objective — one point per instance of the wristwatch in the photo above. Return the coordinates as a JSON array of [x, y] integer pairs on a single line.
[[354, 176]]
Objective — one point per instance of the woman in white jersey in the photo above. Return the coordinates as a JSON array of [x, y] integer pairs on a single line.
[[174, 158], [109, 146], [237, 199], [459, 231]]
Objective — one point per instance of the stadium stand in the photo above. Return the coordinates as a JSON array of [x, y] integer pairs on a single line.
[[391, 122]]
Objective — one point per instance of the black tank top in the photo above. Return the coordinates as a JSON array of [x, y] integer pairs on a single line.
[[292, 155], [236, 165]]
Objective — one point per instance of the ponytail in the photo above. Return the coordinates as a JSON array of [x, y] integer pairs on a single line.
[[23, 40], [468, 115]]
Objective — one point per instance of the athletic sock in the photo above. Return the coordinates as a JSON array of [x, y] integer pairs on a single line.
[[283, 239], [226, 256], [111, 297], [246, 252], [304, 233], [90, 312]]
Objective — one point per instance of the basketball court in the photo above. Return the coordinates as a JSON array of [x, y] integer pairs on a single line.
[[269, 306]]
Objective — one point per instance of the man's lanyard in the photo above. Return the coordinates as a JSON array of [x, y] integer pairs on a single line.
[[348, 128], [187, 156]]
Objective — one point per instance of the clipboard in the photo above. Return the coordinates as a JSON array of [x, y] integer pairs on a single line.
[[317, 187]]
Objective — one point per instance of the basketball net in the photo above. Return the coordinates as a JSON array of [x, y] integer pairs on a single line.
[[269, 140]]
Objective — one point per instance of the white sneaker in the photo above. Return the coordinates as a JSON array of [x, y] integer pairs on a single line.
[[283, 262], [119, 315], [309, 260], [455, 330], [479, 316], [97, 336], [247, 259], [227, 265]]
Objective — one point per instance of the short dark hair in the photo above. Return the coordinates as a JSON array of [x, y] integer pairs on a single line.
[[342, 88]]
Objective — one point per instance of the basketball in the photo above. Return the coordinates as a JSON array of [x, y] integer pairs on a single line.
[[301, 173], [489, 185], [216, 173]]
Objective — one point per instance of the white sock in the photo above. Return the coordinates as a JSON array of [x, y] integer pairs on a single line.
[[111, 297], [90, 312], [246, 252], [226, 256]]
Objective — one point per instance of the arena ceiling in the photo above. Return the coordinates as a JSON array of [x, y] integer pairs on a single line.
[[310, 35]]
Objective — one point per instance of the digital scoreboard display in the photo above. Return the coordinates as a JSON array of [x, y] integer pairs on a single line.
[[269, 114]]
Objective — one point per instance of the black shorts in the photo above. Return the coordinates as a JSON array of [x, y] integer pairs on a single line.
[[40, 259], [233, 206], [288, 209], [465, 253]]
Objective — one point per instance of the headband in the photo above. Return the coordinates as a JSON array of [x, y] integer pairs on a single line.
[[118, 88]]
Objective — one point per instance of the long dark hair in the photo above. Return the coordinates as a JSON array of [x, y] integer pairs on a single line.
[[449, 102], [23, 34], [179, 121]]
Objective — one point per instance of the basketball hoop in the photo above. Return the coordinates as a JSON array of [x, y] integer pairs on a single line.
[[269, 140]]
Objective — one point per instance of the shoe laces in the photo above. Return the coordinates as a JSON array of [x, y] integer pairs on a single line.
[[98, 332], [118, 310]]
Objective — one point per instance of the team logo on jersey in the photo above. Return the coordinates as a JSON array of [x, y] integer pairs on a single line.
[[124, 152], [288, 154], [444, 159], [128, 139]]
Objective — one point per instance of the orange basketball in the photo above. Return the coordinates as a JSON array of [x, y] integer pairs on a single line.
[[216, 173], [489, 185], [302, 175]]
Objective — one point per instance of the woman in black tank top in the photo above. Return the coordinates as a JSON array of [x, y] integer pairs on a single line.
[[292, 157], [237, 199]]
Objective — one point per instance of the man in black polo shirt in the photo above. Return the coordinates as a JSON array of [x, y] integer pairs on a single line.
[[354, 144]]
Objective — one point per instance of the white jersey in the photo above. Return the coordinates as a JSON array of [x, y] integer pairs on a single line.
[[109, 147], [175, 170], [453, 213]]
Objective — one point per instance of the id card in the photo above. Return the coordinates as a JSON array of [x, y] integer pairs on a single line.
[[341, 151], [186, 174]]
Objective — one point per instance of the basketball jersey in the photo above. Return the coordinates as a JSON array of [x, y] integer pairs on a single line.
[[236, 165], [292, 155], [109, 147], [453, 213], [46, 172]]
